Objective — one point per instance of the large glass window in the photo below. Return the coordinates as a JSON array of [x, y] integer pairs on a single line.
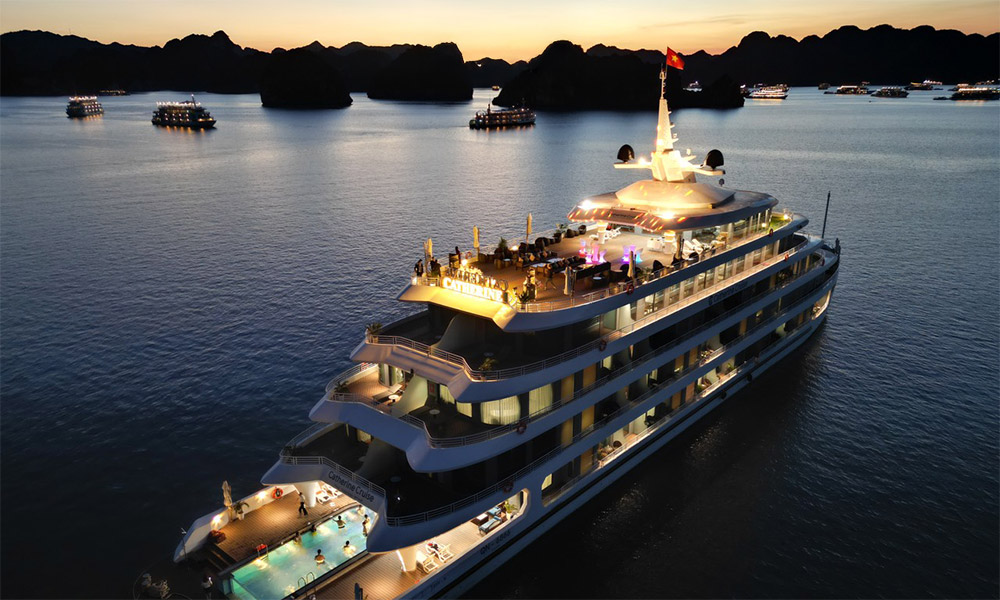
[[673, 293], [446, 396], [539, 399], [501, 412]]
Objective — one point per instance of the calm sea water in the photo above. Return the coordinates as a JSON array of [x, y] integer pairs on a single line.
[[172, 304]]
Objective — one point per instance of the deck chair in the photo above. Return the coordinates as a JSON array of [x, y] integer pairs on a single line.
[[444, 552], [427, 565]]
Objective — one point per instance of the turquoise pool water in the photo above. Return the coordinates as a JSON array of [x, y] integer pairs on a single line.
[[285, 568]]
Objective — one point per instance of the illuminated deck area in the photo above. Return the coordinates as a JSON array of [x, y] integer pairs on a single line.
[[382, 576], [597, 258]]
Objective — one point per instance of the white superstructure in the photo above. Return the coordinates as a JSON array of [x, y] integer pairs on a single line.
[[515, 394]]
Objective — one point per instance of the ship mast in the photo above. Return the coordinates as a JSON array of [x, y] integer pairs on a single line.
[[665, 162]]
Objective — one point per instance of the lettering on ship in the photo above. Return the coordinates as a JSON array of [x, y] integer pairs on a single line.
[[352, 489], [472, 289]]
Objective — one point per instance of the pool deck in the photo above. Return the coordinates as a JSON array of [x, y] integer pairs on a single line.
[[272, 523], [381, 575]]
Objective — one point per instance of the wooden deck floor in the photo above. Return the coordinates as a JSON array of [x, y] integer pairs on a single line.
[[381, 576], [273, 522], [367, 385]]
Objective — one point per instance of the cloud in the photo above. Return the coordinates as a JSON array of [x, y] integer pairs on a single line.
[[721, 20]]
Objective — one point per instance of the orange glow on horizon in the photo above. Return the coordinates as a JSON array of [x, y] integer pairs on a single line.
[[514, 30]]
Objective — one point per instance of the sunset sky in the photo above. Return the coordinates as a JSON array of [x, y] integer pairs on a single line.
[[509, 29]]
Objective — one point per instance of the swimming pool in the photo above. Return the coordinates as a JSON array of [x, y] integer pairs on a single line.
[[292, 565]]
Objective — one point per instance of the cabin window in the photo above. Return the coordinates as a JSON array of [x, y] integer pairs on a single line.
[[673, 293], [445, 395], [464, 408], [539, 399], [501, 412]]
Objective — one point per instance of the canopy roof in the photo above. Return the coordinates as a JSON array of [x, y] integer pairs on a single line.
[[659, 206]]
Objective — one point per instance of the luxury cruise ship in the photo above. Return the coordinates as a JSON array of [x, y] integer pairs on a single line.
[[532, 376]]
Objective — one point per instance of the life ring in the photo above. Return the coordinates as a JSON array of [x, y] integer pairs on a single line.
[[630, 288], [277, 493], [508, 487], [522, 427], [468, 255], [602, 345]]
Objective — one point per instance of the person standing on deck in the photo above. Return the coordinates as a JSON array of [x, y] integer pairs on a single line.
[[302, 505], [206, 586]]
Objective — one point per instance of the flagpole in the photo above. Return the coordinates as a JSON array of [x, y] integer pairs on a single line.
[[822, 236]]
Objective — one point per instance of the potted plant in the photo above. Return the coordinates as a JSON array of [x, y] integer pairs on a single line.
[[489, 364], [341, 388], [240, 509], [373, 329], [502, 245]]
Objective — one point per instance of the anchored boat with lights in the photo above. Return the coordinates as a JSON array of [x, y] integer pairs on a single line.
[[532, 376], [83, 106], [495, 119], [186, 113]]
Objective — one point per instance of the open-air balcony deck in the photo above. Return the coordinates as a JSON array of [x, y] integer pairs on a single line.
[[473, 358], [437, 501], [531, 277], [360, 384], [444, 427]]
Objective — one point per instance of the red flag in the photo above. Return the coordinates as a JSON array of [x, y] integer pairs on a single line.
[[674, 60]]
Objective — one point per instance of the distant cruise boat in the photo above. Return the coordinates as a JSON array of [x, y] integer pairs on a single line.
[[112, 93], [512, 117], [186, 113], [851, 90], [530, 378], [927, 84], [975, 93], [824, 86], [775, 92], [83, 106], [890, 92]]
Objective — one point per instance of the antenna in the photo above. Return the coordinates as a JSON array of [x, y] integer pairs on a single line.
[[825, 213]]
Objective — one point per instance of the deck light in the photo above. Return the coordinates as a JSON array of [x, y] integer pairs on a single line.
[[261, 495]]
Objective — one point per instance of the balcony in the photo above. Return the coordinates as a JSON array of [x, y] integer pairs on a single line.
[[444, 427], [523, 363], [597, 263]]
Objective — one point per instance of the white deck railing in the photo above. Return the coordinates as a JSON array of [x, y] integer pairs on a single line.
[[622, 287], [459, 441], [508, 483], [666, 310]]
